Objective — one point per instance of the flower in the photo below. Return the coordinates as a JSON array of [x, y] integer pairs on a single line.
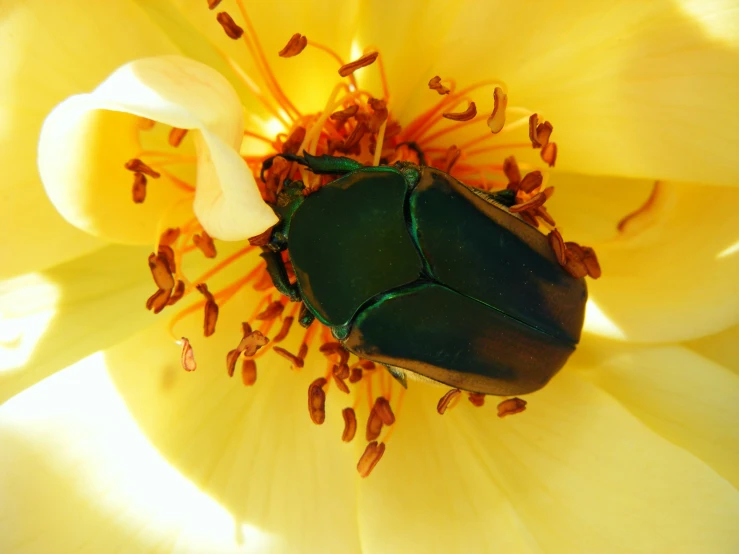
[[632, 447]]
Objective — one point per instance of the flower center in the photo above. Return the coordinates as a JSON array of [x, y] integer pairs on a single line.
[[358, 125]]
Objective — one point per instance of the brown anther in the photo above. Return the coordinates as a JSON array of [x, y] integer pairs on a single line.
[[384, 411], [353, 139], [229, 26], [262, 239], [138, 191], [374, 425], [176, 136], [477, 399], [435, 84], [204, 243], [210, 318], [450, 157], [248, 372], [329, 348], [166, 253], [512, 172], [177, 293], [379, 114], [273, 310], [466, 115], [340, 384], [542, 212], [203, 289], [447, 399], [245, 328], [496, 121], [364, 61], [511, 406], [574, 263], [531, 181], [187, 356], [534, 202], [372, 454], [549, 153], [168, 237], [251, 343], [343, 115], [591, 262], [145, 124], [293, 142], [367, 364], [558, 246], [529, 218], [212, 4], [158, 300], [284, 330], [231, 358], [317, 401], [294, 46], [543, 132], [356, 375], [292, 358], [350, 424], [160, 272], [342, 371], [137, 166], [303, 352]]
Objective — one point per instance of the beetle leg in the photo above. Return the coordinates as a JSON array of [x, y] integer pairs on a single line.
[[278, 274], [306, 317]]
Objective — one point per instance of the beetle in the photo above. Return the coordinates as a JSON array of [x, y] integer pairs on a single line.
[[412, 269]]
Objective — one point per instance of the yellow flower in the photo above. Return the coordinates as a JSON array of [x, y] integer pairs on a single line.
[[632, 447]]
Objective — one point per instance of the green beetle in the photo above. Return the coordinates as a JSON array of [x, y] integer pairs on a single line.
[[412, 269]]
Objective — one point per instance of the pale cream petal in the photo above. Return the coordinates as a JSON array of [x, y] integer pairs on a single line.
[[178, 92], [51, 50], [582, 474], [722, 348], [671, 275], [687, 398]]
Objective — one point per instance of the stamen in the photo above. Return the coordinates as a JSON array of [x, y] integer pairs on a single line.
[[511, 406], [356, 375], [558, 246], [169, 236], [384, 411], [543, 132], [159, 300], [340, 384], [435, 84], [496, 121], [204, 243], [343, 115], [248, 372], [179, 292], [447, 399], [145, 124], [372, 454], [167, 254], [211, 310], [175, 136], [477, 399], [317, 401], [160, 272], [284, 330], [294, 46], [379, 114], [466, 115], [549, 153], [535, 201], [350, 424], [364, 61], [374, 425], [591, 262], [296, 361], [273, 310], [187, 357], [511, 170], [531, 181], [212, 4], [229, 26], [137, 165], [138, 192]]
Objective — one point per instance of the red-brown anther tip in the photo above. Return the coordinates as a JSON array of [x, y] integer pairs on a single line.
[[591, 262], [543, 132], [511, 406], [549, 153], [435, 84], [262, 239], [383, 409], [160, 272], [535, 201], [231, 358], [205, 244], [229, 26], [176, 136], [317, 401], [450, 157], [159, 300], [167, 254], [350, 424], [273, 310], [374, 425], [138, 191], [284, 330], [531, 181], [446, 400], [145, 124], [343, 115], [496, 121], [213, 4], [169, 237], [342, 371], [542, 212], [187, 356], [248, 372], [367, 364], [379, 114], [177, 293], [533, 123], [364, 61], [294, 46], [512, 172], [340, 384], [252, 342], [372, 454], [293, 142], [203, 289], [466, 115], [477, 399], [210, 318], [292, 358], [136, 165], [356, 375], [558, 246]]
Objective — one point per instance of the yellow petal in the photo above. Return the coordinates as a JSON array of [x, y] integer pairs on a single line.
[[45, 61], [722, 348], [76, 154], [671, 275]]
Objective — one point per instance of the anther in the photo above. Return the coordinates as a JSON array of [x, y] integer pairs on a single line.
[[169, 236], [292, 358], [372, 454], [374, 425], [210, 312], [367, 364], [231, 358], [158, 301], [137, 165], [531, 181], [543, 132], [273, 310], [175, 136], [177, 293], [384, 411], [204, 243], [466, 115], [252, 342], [340, 384], [187, 356], [353, 139], [350, 424], [591, 262], [262, 239], [284, 330], [293, 142], [450, 157], [343, 115], [213, 4], [364, 61], [356, 375], [558, 246], [317, 401], [511, 406], [533, 122], [496, 121], [549, 153], [379, 114], [342, 371], [167, 254], [145, 124], [512, 172], [138, 191], [303, 352], [232, 30], [477, 399], [160, 272], [294, 46], [542, 212], [435, 84], [534, 202], [329, 348], [248, 372], [446, 400]]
